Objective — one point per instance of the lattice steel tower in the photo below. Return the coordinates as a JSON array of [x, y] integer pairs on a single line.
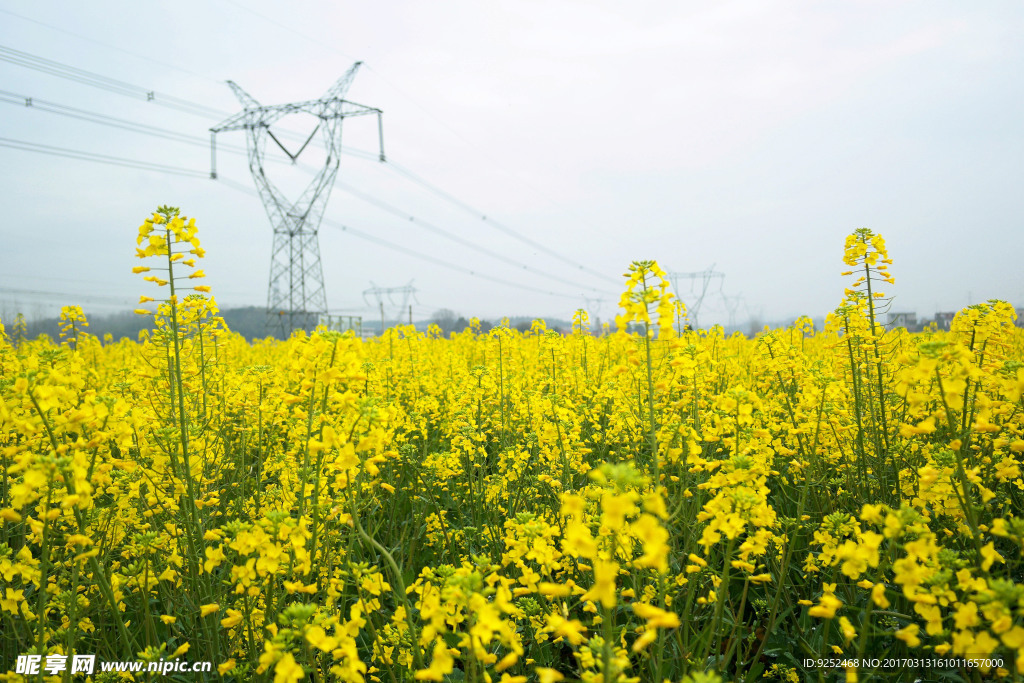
[[295, 294], [697, 300]]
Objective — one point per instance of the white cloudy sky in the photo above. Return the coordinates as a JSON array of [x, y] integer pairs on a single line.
[[751, 135]]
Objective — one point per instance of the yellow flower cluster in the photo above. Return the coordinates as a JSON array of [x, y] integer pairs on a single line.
[[166, 234], [649, 504]]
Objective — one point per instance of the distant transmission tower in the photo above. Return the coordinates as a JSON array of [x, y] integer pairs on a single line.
[[295, 293], [732, 304], [593, 304], [704, 278], [379, 293]]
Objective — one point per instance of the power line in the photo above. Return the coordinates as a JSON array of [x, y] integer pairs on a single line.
[[105, 120], [141, 165], [440, 262], [490, 221], [99, 158], [411, 252], [64, 296], [48, 66], [384, 206], [109, 47], [107, 284], [134, 91], [250, 10], [37, 104]]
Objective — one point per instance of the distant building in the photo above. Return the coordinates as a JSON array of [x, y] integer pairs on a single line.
[[906, 319], [943, 319]]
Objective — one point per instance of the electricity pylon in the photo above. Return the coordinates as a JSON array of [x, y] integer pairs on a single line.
[[732, 304], [704, 277], [295, 293], [406, 291], [593, 304]]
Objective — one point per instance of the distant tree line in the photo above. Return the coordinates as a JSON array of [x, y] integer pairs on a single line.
[[449, 322], [250, 322]]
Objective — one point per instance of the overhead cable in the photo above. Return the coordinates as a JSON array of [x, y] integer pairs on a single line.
[[412, 252], [384, 206], [142, 165], [495, 224], [95, 117], [89, 78], [65, 296], [108, 46], [99, 158]]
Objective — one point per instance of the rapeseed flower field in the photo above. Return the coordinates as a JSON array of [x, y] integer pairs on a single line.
[[642, 503]]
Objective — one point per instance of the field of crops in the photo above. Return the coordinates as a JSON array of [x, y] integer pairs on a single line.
[[662, 504]]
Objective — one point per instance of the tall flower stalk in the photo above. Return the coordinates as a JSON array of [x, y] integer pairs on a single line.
[[646, 288], [171, 240]]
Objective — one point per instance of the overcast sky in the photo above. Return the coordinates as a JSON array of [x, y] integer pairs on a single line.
[[752, 136]]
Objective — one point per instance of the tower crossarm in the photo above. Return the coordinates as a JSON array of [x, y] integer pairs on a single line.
[[332, 105], [240, 121], [264, 117]]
